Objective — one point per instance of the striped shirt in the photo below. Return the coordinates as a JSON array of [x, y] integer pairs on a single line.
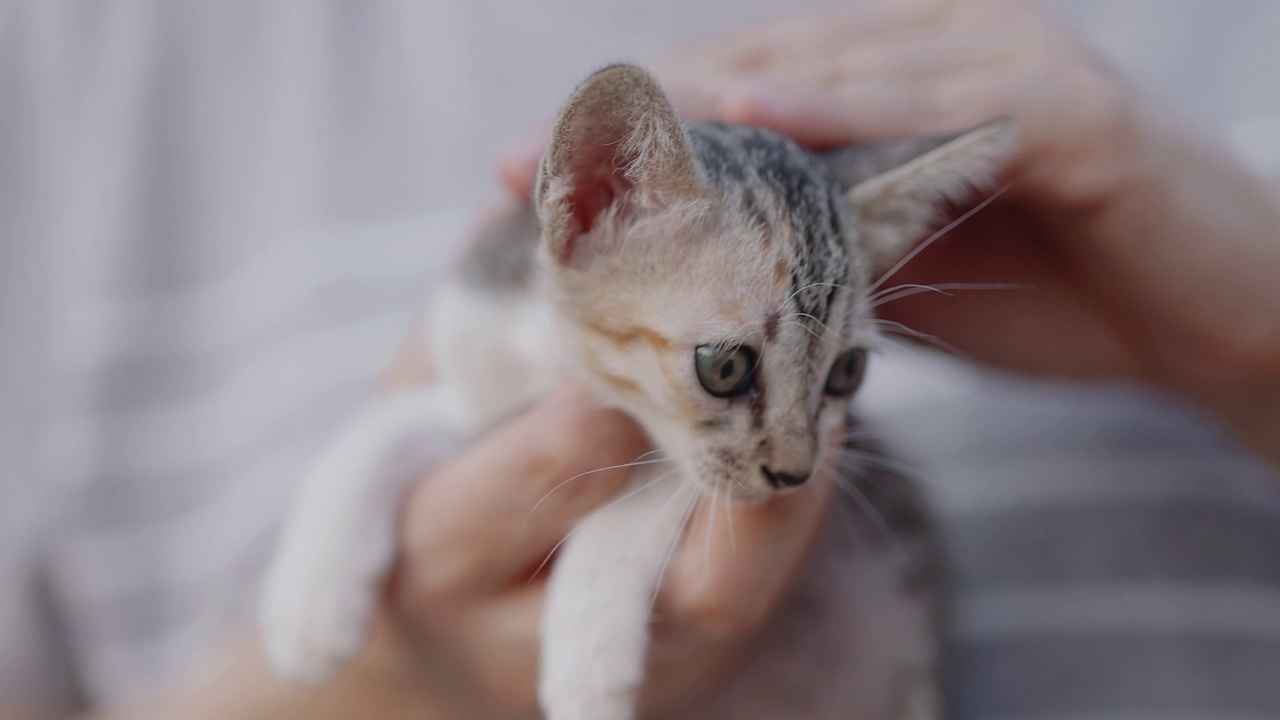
[[217, 221]]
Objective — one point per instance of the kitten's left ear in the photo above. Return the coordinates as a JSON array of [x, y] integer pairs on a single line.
[[897, 188], [617, 150]]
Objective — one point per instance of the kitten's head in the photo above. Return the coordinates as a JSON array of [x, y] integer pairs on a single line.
[[713, 279]]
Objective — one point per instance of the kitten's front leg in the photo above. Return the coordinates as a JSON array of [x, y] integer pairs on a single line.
[[595, 630], [324, 583]]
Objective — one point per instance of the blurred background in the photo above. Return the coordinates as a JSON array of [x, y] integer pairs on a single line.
[[218, 220]]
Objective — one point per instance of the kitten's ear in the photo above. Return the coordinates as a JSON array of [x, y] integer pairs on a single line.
[[617, 147], [897, 188]]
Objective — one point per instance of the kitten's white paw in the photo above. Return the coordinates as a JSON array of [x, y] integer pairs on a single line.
[[584, 703], [593, 661], [583, 680], [312, 627], [321, 594]]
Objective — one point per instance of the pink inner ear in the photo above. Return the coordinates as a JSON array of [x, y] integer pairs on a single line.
[[598, 182], [588, 200]]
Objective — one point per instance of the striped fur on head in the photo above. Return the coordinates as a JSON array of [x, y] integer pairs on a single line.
[[659, 238]]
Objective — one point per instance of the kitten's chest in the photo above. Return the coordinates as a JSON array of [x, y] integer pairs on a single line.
[[496, 354]]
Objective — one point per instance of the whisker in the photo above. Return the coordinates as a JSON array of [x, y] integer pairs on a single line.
[[711, 531], [788, 298], [792, 321], [841, 512], [738, 482], [942, 289], [877, 460], [741, 336], [904, 294], [635, 463], [794, 315], [934, 237], [859, 497], [855, 433], [742, 340], [826, 341], [849, 523], [642, 537], [899, 328], [674, 543], [728, 513], [621, 498], [904, 286], [826, 468]]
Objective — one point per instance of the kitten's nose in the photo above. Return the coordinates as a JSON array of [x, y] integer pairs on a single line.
[[782, 480]]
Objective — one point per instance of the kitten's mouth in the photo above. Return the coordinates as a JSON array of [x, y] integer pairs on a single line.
[[739, 493], [729, 484]]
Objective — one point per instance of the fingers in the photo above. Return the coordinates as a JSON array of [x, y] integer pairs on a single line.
[[491, 514], [499, 638], [873, 111], [879, 71]]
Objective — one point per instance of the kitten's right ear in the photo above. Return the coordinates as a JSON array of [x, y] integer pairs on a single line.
[[618, 148], [896, 188]]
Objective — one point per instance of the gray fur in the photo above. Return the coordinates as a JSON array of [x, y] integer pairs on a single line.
[[786, 190], [501, 257]]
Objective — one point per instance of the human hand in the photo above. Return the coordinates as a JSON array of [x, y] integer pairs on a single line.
[[464, 610], [1152, 257]]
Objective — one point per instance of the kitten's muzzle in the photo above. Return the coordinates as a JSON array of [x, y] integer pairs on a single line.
[[782, 480]]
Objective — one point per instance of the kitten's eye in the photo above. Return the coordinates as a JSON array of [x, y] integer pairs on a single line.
[[725, 372], [846, 374]]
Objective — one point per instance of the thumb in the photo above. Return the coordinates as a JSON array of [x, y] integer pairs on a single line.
[[862, 113]]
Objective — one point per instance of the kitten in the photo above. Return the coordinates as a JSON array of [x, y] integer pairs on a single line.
[[714, 281]]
